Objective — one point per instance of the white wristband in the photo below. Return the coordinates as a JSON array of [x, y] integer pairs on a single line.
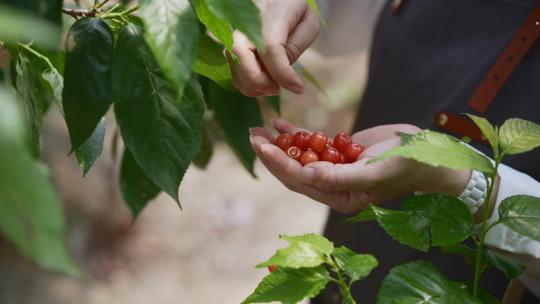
[[475, 193]]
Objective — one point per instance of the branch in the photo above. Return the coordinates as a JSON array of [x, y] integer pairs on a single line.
[[75, 13]]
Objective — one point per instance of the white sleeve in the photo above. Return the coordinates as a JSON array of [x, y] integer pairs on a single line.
[[500, 236]]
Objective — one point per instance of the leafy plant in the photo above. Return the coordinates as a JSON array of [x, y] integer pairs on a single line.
[[158, 63], [431, 220]]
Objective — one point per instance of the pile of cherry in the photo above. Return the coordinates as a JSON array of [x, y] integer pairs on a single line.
[[307, 148]]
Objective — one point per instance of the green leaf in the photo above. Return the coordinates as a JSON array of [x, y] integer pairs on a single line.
[[219, 27], [162, 130], [439, 149], [242, 15], [314, 7], [90, 151], [421, 282], [519, 136], [511, 268], [306, 74], [211, 63], [322, 244], [172, 31], [16, 25], [521, 213], [235, 114], [31, 215], [275, 102], [87, 77], [488, 130], [205, 153], [290, 286], [356, 266], [366, 215], [449, 218], [136, 187], [56, 81], [296, 255]]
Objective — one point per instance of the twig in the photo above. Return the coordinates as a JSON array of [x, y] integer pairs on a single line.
[[75, 13]]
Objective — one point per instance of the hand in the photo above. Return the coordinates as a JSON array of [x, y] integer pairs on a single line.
[[350, 187], [289, 28]]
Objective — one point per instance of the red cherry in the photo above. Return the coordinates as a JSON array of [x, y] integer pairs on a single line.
[[352, 152], [308, 157], [272, 268], [330, 155], [318, 141], [301, 140], [294, 152], [341, 141], [283, 141]]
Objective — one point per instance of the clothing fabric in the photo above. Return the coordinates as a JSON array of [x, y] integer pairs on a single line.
[[428, 58]]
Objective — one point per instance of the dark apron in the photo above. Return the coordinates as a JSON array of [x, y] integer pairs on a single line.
[[430, 57]]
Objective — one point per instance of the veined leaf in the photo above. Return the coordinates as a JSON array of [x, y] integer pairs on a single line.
[[519, 136], [87, 78], [162, 130], [296, 255], [31, 215], [137, 188], [219, 27], [172, 32], [235, 114], [439, 149], [322, 244], [521, 213], [488, 130], [420, 282], [211, 63], [290, 286], [242, 15], [356, 266], [89, 152]]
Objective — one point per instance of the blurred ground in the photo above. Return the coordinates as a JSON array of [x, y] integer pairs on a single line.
[[206, 253]]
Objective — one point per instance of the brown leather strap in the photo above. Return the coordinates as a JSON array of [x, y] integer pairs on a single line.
[[459, 125], [507, 62]]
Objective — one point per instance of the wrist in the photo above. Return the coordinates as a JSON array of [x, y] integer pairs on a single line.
[[447, 181]]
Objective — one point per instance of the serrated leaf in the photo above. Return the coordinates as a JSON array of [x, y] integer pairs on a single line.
[[205, 153], [421, 282], [450, 221], [31, 215], [243, 15], [519, 136], [275, 102], [87, 77], [89, 152], [219, 27], [290, 286], [488, 130], [137, 188], [356, 266], [296, 255], [511, 268], [15, 26], [211, 63], [235, 114], [439, 149], [322, 244], [172, 31], [521, 213], [162, 130]]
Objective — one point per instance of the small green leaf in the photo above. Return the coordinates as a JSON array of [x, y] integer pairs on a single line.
[[290, 286], [205, 153], [89, 152], [356, 266], [519, 136], [405, 138], [306, 74], [488, 130], [439, 149], [235, 114], [366, 215], [87, 78], [219, 27], [172, 31], [275, 102], [322, 244], [449, 218], [56, 81], [296, 255], [421, 282], [511, 268], [31, 214], [211, 63], [162, 130], [242, 15], [521, 213], [136, 187], [315, 8]]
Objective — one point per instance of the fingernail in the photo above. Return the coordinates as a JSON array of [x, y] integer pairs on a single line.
[[307, 175]]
